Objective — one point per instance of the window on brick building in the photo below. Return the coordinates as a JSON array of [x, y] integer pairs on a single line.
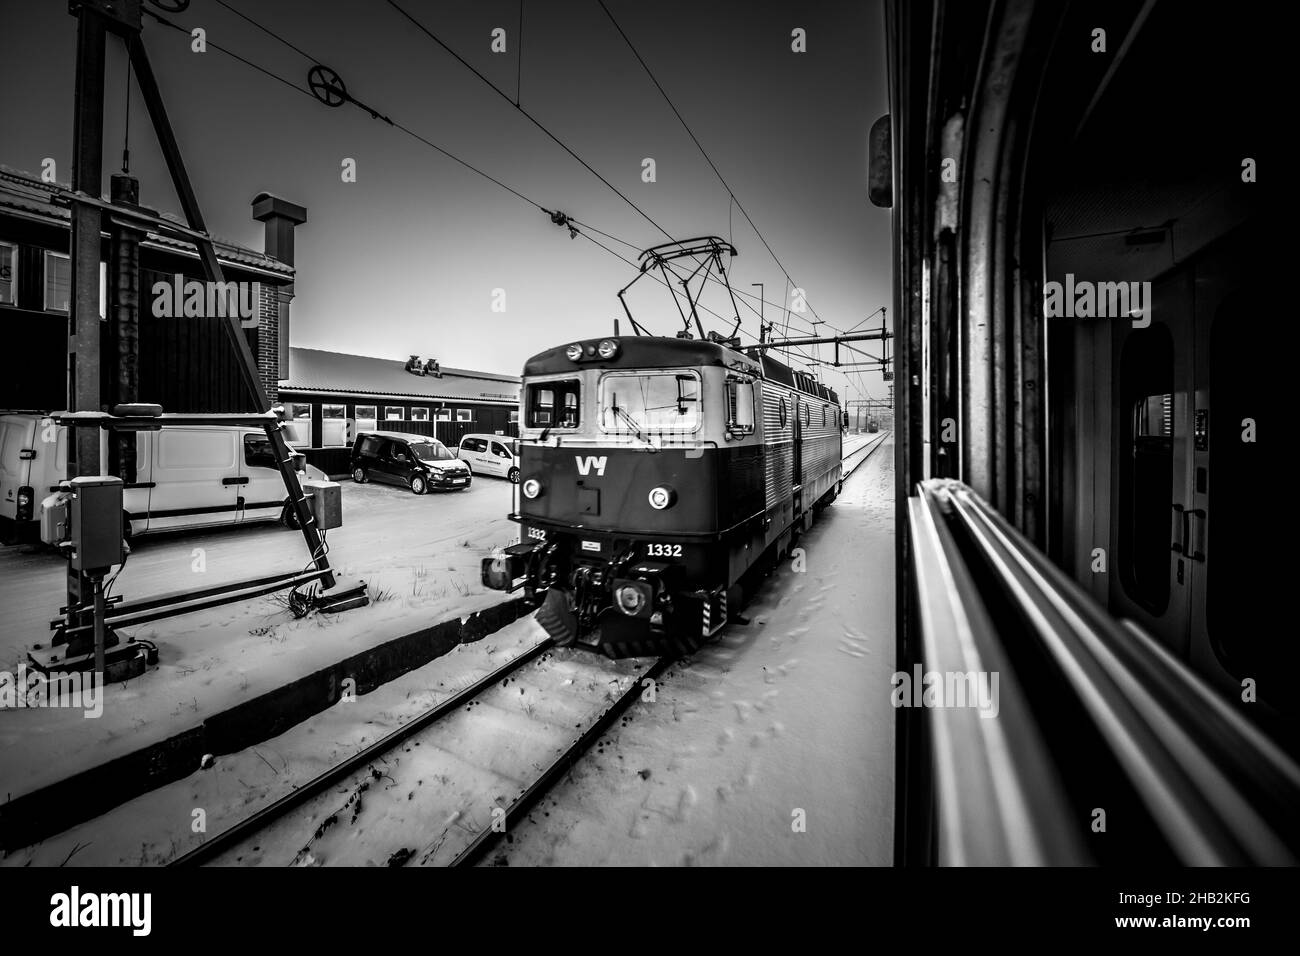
[[8, 273]]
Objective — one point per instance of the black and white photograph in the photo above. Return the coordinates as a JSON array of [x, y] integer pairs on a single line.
[[588, 434]]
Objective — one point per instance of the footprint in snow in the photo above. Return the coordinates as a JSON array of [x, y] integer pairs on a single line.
[[685, 802]]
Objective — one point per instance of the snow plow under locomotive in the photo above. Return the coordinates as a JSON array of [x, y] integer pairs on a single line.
[[661, 477]]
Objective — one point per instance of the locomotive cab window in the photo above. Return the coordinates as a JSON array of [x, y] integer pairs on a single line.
[[634, 403], [553, 404]]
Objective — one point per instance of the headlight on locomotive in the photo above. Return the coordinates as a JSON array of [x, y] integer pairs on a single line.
[[661, 497], [607, 349], [633, 598], [574, 352], [532, 488]]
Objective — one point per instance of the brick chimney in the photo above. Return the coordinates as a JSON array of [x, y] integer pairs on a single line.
[[280, 217]]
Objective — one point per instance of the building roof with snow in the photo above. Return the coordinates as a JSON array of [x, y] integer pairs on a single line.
[[341, 374]]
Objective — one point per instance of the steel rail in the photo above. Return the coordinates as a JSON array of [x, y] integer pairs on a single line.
[[870, 449], [227, 839], [489, 837]]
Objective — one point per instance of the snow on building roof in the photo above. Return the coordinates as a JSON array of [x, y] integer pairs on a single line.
[[315, 370]]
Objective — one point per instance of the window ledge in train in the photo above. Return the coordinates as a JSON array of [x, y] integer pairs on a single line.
[[1105, 749]]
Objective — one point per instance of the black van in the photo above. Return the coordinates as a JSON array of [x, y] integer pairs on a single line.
[[412, 461]]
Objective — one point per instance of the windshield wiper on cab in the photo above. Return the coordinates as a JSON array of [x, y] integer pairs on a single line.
[[632, 422]]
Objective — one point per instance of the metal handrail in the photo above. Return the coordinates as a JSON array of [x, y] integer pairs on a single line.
[[997, 799], [1214, 790]]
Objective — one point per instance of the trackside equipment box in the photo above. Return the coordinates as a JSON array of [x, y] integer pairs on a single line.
[[96, 522], [326, 500]]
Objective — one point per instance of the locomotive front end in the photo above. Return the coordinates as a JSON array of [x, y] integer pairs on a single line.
[[638, 458]]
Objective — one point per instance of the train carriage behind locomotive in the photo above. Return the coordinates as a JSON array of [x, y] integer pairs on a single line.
[[659, 478]]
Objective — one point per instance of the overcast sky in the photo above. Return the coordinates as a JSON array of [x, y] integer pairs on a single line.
[[406, 259]]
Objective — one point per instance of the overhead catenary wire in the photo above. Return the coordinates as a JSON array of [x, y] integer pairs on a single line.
[[516, 103], [557, 217], [231, 53], [529, 116], [739, 292], [289, 83], [708, 159]]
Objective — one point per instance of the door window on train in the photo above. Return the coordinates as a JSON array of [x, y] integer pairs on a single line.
[[553, 404], [1146, 466]]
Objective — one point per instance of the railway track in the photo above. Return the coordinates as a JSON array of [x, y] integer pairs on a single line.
[[553, 751], [865, 450], [460, 765]]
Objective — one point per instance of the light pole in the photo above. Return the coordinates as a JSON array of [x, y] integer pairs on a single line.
[[762, 325]]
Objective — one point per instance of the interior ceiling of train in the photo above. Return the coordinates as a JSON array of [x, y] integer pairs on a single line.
[[1152, 163]]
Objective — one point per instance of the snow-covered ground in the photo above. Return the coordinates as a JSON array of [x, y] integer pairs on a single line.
[[782, 721], [419, 556]]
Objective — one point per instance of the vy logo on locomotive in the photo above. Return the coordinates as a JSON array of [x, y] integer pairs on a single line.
[[587, 462]]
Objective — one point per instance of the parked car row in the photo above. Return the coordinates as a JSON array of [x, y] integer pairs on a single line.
[[213, 475], [421, 463]]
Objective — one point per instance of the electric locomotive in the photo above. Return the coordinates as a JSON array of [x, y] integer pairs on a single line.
[[660, 477]]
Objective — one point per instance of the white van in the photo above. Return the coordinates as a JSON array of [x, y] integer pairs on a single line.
[[490, 455], [33, 457], [186, 476]]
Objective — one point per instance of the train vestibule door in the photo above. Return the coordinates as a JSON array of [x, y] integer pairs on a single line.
[[1153, 506], [1236, 591], [1191, 391], [797, 408]]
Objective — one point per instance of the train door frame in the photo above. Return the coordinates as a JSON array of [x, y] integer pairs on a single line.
[[1171, 313], [1221, 294], [796, 455]]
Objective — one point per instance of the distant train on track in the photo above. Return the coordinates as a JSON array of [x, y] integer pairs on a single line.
[[660, 478]]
